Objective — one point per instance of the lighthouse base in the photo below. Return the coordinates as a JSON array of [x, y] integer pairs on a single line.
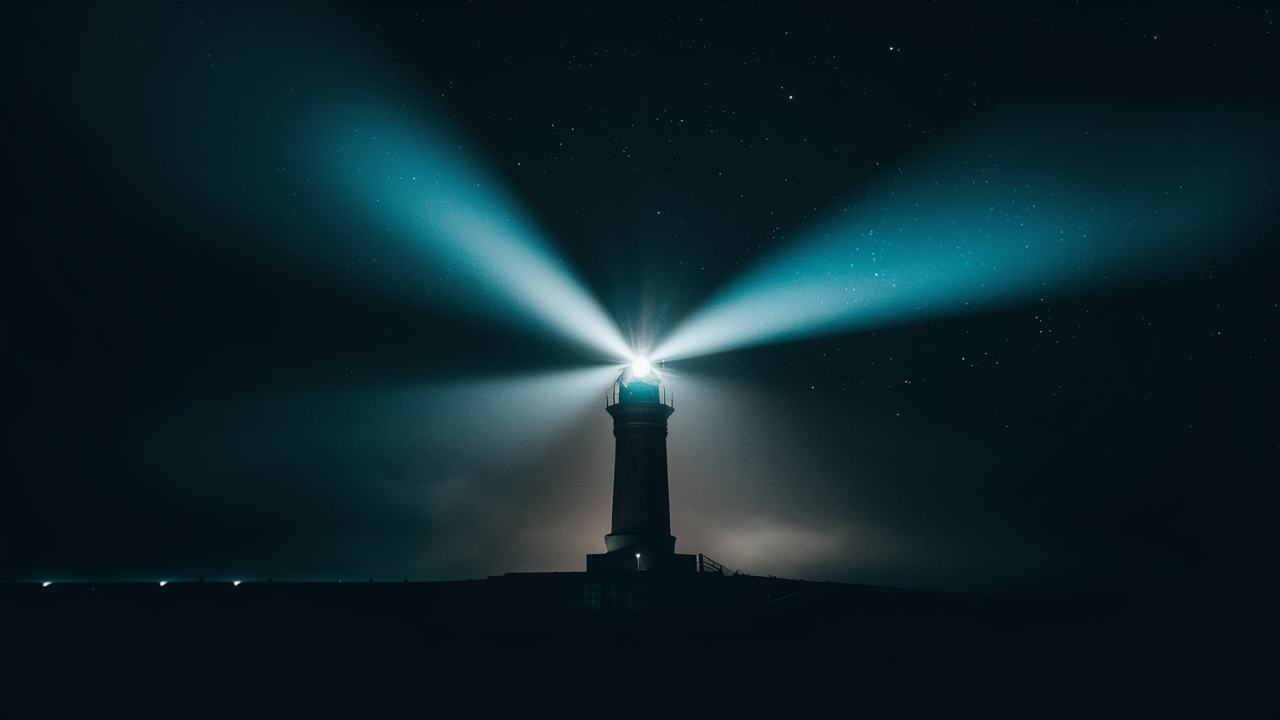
[[641, 552], [623, 560]]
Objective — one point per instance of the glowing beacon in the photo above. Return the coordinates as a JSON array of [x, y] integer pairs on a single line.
[[641, 532]]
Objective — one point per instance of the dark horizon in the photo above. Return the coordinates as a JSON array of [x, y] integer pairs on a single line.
[[223, 366]]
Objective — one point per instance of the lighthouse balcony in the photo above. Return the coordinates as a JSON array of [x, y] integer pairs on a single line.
[[641, 391]]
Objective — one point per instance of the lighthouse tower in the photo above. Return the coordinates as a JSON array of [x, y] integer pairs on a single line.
[[641, 532]]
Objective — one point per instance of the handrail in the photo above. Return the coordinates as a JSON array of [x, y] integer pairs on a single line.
[[706, 564]]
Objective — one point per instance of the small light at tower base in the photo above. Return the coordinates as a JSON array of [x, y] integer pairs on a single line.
[[640, 367]]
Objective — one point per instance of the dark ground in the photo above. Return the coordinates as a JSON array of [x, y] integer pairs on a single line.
[[708, 647]]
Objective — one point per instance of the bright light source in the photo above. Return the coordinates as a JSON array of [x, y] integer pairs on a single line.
[[640, 367], [45, 584], [162, 583], [235, 582]]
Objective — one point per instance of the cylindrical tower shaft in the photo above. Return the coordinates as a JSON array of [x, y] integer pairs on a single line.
[[641, 499]]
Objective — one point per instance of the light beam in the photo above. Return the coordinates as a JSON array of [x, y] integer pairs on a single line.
[[458, 467], [317, 160], [1043, 202], [414, 179]]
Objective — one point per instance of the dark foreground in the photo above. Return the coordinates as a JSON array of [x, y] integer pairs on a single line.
[[617, 645]]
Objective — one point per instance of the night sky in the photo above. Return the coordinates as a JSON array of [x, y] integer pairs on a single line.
[[330, 292]]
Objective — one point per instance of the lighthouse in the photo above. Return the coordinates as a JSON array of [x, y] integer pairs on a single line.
[[640, 537]]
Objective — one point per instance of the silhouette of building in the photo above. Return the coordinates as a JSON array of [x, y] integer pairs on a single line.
[[640, 537]]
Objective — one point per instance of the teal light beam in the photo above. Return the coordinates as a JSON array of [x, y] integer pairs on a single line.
[[1041, 201]]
